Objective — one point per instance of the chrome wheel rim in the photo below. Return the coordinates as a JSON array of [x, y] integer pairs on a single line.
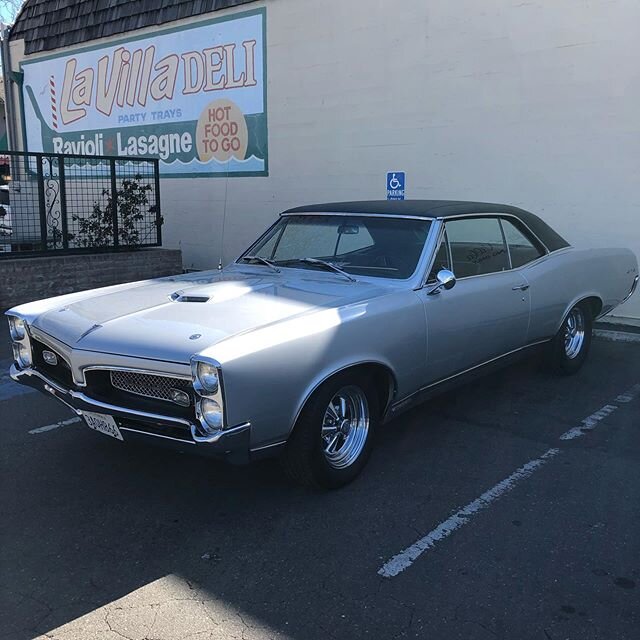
[[574, 333], [345, 427]]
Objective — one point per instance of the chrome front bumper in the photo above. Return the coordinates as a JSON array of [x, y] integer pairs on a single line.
[[633, 289], [232, 443]]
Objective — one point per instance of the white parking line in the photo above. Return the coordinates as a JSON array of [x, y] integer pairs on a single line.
[[589, 423], [629, 394], [406, 558], [462, 516], [55, 425]]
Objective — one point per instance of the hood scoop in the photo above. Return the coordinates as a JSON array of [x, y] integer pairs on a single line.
[[181, 296]]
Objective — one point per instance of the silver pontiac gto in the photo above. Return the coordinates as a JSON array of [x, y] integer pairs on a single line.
[[337, 319]]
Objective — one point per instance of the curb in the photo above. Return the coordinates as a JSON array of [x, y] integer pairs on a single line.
[[617, 336]]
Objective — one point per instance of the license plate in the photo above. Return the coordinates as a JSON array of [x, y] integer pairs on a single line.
[[103, 424]]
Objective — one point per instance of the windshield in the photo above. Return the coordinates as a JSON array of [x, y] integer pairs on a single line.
[[359, 245]]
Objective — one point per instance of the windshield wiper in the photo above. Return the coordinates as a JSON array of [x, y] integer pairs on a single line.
[[264, 261], [327, 265]]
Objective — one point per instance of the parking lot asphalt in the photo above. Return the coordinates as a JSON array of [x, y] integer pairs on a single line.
[[508, 508]]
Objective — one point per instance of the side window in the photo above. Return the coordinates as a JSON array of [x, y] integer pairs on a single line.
[[523, 249], [477, 246], [441, 261]]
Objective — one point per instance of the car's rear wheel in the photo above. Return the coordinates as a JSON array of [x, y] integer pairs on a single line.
[[332, 439], [570, 348]]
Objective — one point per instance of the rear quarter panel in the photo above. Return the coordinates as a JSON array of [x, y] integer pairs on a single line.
[[563, 278]]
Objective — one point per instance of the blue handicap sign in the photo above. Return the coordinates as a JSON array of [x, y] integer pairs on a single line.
[[395, 185]]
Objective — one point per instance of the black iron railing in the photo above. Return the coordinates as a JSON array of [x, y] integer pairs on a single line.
[[54, 203]]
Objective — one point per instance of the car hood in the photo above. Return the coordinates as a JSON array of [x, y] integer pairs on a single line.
[[173, 318]]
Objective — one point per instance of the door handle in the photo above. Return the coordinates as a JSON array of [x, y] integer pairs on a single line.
[[521, 287]]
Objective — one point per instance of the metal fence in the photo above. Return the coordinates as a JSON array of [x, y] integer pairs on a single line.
[[53, 203]]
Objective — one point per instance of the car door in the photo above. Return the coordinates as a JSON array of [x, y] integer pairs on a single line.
[[547, 300], [486, 314]]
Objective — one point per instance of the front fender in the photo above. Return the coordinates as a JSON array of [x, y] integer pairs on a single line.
[[337, 368], [270, 373]]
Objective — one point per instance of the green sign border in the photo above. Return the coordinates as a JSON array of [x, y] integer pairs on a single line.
[[262, 11]]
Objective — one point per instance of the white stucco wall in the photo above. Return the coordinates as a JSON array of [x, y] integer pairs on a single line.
[[533, 104]]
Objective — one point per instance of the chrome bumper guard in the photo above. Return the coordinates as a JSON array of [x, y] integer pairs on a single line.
[[232, 443]]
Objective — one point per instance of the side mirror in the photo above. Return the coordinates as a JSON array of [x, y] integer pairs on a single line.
[[446, 280]]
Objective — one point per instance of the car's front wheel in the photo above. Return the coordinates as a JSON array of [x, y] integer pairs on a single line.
[[570, 347], [332, 439]]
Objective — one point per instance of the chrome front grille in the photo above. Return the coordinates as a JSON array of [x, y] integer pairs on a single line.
[[149, 385]]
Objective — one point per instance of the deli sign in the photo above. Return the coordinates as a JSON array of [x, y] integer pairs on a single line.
[[193, 96]]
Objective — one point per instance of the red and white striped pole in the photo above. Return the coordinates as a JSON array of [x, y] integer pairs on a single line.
[[54, 106]]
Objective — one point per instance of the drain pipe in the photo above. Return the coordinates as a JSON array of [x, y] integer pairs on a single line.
[[8, 89]]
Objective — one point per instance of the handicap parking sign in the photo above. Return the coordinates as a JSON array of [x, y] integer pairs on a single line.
[[395, 185]]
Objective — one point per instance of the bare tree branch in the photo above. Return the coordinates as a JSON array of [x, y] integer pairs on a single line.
[[9, 9]]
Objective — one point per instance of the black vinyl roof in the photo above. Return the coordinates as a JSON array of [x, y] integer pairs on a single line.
[[50, 24], [440, 209]]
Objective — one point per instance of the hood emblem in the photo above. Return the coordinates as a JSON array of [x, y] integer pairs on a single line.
[[195, 336], [50, 358]]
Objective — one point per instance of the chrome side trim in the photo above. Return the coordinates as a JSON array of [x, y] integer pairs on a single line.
[[439, 240], [268, 446], [404, 400], [428, 255], [424, 254], [258, 241], [444, 220], [357, 215], [506, 244], [524, 266], [633, 288], [497, 214]]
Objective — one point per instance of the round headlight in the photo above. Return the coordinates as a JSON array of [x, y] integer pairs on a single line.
[[22, 355], [208, 377], [211, 413], [17, 328]]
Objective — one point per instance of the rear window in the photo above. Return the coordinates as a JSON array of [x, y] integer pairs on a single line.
[[523, 249]]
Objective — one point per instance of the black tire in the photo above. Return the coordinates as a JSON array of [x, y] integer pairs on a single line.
[[568, 359], [304, 460]]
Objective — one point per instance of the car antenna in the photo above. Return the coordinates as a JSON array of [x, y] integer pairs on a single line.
[[224, 214]]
